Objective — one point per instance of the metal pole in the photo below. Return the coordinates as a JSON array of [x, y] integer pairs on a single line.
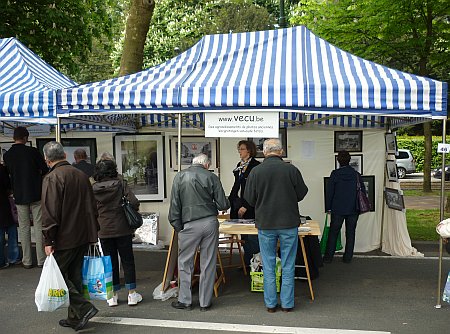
[[58, 129], [282, 20], [442, 207], [179, 141]]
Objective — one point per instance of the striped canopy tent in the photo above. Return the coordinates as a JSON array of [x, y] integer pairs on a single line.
[[28, 88], [290, 71]]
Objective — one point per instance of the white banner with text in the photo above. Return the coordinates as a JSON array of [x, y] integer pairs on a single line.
[[240, 124]]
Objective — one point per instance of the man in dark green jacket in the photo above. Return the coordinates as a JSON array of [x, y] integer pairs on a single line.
[[197, 195], [274, 188]]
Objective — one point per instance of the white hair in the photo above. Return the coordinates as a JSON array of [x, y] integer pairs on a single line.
[[201, 159], [272, 145]]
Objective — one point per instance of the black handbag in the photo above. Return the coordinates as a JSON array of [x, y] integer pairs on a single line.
[[134, 218]]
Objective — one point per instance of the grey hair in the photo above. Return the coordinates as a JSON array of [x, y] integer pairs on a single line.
[[272, 145], [201, 159], [54, 151], [107, 156]]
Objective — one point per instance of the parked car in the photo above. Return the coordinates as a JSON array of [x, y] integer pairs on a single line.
[[437, 173], [405, 163]]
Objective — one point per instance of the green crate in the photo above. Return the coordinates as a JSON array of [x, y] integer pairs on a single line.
[[257, 284]]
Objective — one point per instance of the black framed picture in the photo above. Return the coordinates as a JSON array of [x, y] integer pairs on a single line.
[[394, 199], [71, 144], [356, 162], [391, 143], [140, 160], [350, 141], [190, 147], [260, 141], [391, 169], [369, 184]]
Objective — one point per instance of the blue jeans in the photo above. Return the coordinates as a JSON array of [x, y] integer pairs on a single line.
[[13, 247], [268, 240]]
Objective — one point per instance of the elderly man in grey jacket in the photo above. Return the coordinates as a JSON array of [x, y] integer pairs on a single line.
[[197, 195]]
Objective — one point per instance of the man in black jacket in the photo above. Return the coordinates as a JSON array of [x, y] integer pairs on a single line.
[[274, 188], [26, 167], [81, 163]]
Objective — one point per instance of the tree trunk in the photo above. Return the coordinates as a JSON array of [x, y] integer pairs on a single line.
[[138, 22], [427, 157]]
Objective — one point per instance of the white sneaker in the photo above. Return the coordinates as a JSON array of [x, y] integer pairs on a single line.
[[114, 301], [134, 298]]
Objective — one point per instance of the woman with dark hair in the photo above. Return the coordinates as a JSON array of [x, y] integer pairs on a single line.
[[240, 209], [115, 234], [342, 203]]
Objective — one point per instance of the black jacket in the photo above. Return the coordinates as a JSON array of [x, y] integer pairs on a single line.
[[236, 196], [341, 191], [6, 218], [85, 167], [26, 166]]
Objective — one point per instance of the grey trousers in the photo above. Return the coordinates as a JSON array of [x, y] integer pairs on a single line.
[[23, 213], [203, 233]]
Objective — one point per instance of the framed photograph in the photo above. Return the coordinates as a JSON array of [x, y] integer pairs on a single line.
[[5, 146], [369, 184], [391, 143], [391, 168], [260, 141], [140, 159], [350, 141], [356, 161], [71, 144], [394, 199], [190, 147]]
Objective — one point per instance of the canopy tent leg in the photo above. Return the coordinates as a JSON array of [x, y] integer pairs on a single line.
[[58, 129], [180, 115], [441, 209]]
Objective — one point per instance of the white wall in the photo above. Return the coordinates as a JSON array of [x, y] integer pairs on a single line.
[[310, 150]]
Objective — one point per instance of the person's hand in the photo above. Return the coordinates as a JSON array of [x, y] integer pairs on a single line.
[[48, 250], [241, 212]]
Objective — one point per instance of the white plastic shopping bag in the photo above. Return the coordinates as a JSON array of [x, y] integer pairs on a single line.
[[51, 292]]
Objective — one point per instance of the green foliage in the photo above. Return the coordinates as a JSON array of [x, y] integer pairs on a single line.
[[416, 146], [409, 35], [61, 32], [178, 25]]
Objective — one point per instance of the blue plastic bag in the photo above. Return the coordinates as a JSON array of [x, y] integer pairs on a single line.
[[97, 278], [446, 294]]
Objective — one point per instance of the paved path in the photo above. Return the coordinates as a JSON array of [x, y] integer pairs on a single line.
[[422, 202]]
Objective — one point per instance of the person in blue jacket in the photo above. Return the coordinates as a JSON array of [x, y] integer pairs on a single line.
[[341, 202]]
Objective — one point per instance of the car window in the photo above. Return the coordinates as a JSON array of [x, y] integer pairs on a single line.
[[402, 155]]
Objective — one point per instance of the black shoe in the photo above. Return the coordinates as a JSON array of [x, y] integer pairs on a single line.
[[90, 314], [181, 306], [327, 259], [205, 308], [27, 266], [40, 266], [67, 323], [272, 309], [346, 260], [287, 309]]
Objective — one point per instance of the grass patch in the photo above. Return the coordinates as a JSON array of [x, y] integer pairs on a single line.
[[416, 192], [422, 224]]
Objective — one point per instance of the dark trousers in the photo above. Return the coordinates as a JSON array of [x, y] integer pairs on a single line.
[[251, 246], [70, 262], [124, 247], [335, 229]]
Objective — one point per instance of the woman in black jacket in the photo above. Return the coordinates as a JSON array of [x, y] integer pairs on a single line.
[[115, 234], [240, 209], [342, 203], [7, 223]]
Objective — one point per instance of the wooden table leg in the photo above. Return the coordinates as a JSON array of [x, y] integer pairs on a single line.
[[305, 259]]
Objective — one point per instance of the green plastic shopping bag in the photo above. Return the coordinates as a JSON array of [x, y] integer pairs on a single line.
[[323, 241]]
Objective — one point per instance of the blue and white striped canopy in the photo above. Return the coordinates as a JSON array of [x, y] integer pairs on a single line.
[[279, 70], [27, 84]]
